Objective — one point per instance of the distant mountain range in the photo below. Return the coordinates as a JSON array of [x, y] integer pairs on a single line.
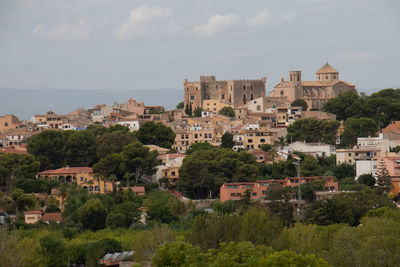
[[24, 103]]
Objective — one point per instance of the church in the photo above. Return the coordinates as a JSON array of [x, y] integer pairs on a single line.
[[316, 93]]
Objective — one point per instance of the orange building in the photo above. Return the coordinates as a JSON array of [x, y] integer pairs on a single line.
[[83, 176], [392, 165], [258, 189], [9, 122]]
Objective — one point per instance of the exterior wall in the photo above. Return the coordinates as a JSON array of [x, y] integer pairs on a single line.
[[350, 156], [235, 92], [312, 149], [254, 139], [9, 122], [258, 189], [366, 167], [31, 218], [50, 120], [214, 105], [184, 138], [132, 125], [318, 115]]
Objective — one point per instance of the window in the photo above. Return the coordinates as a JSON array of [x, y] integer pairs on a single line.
[[6, 124], [251, 97], [262, 140], [192, 97], [222, 96], [197, 89], [250, 141], [282, 93], [195, 135], [216, 86], [258, 107], [81, 179], [251, 87], [254, 194], [187, 89], [173, 173], [349, 154]]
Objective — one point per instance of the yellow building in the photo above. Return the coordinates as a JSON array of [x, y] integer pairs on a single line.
[[83, 176], [215, 105], [254, 139]]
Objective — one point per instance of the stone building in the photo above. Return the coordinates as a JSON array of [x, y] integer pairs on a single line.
[[316, 93], [234, 92]]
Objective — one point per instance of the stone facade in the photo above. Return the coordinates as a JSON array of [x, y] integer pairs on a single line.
[[316, 93], [234, 92]]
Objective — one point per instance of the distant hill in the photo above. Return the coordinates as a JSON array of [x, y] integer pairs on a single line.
[[24, 103]]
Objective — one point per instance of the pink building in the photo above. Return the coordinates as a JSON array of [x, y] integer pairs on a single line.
[[258, 189]]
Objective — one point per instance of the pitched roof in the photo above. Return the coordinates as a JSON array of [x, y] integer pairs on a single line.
[[327, 69], [54, 216], [33, 212], [68, 170]]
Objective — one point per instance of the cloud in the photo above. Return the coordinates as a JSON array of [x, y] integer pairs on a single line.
[[351, 56], [63, 32], [260, 20], [146, 13], [138, 24], [288, 16], [216, 24]]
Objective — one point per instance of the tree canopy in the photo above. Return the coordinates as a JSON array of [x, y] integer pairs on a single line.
[[227, 111], [312, 130], [300, 103], [151, 133], [205, 171]]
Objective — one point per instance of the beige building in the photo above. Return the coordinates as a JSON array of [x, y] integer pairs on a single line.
[[32, 216], [50, 120], [234, 92], [316, 93], [185, 137], [82, 176], [9, 122], [254, 139], [350, 156]]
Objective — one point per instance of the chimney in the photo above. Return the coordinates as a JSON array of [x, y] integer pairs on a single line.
[[67, 167]]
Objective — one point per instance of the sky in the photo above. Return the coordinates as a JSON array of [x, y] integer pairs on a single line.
[[128, 44]]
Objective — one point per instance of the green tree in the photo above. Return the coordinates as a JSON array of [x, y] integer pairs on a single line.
[[290, 258], [227, 111], [151, 133], [227, 140], [281, 142], [53, 249], [109, 165], [197, 112], [138, 159], [204, 172], [300, 103], [361, 127], [93, 214], [312, 130], [198, 146], [310, 166], [384, 182], [344, 170], [17, 167], [367, 179], [48, 147], [180, 105], [340, 104], [113, 142], [80, 149]]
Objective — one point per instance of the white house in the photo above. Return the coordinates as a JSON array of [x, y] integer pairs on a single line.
[[315, 149]]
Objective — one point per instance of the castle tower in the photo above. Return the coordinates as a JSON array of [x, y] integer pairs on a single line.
[[295, 76], [327, 74]]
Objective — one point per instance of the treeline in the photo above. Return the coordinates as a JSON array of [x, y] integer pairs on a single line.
[[55, 149], [351, 229]]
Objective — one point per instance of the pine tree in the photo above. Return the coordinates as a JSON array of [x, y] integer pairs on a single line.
[[384, 182], [190, 109]]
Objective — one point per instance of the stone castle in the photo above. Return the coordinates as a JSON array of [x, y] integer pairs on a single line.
[[231, 92], [316, 93]]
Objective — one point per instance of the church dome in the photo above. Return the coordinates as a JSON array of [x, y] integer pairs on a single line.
[[327, 69]]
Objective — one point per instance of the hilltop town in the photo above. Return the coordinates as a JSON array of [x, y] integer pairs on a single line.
[[311, 152]]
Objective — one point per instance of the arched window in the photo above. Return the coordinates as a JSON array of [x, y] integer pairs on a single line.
[[244, 99]]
